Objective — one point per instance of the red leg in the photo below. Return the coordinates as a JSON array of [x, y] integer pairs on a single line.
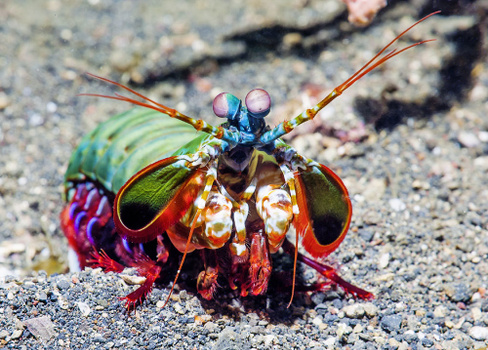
[[151, 272], [146, 267], [105, 262], [328, 272]]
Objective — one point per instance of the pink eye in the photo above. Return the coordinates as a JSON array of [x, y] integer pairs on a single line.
[[226, 105], [258, 102]]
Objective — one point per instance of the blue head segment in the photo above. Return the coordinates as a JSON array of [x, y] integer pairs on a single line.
[[248, 121]]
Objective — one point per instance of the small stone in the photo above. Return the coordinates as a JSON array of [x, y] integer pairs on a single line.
[[211, 327], [102, 302], [458, 293], [317, 321], [449, 324], [133, 280], [4, 100], [63, 284], [391, 323], [476, 297], [343, 329], [395, 344], [384, 260], [330, 342], [84, 308], [317, 298], [370, 309], [179, 309], [427, 342], [440, 311], [468, 139], [410, 336], [420, 312], [354, 311], [483, 136], [292, 39], [3, 334], [19, 324], [42, 296], [397, 204], [379, 340], [358, 329], [41, 327], [479, 333], [476, 314], [17, 334], [269, 339], [99, 338], [481, 162], [121, 60], [62, 302]]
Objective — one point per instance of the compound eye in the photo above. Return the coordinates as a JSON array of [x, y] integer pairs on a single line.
[[258, 103], [226, 105]]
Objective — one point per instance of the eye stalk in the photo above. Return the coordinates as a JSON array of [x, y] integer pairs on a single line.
[[258, 103], [226, 105]]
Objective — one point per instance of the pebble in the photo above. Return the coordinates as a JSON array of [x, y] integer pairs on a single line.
[[179, 308], [16, 334], [395, 344], [370, 309], [440, 311], [211, 327], [391, 323], [384, 260], [41, 327], [330, 342], [63, 284], [4, 100], [343, 329], [410, 336], [121, 60], [317, 321], [479, 333], [84, 308], [397, 204], [354, 310], [133, 280], [468, 139], [476, 313], [458, 293]]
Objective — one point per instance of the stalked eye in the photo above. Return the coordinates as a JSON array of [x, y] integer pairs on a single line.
[[258, 103], [226, 105]]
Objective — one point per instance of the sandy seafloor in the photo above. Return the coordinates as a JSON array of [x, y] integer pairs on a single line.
[[410, 141]]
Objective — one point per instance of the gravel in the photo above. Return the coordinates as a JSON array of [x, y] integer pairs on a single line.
[[410, 142]]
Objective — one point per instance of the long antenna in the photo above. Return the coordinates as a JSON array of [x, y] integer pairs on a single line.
[[287, 126]]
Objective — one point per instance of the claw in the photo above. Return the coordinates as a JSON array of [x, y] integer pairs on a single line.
[[260, 265], [207, 283]]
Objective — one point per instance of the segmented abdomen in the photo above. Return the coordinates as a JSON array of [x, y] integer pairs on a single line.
[[105, 159]]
